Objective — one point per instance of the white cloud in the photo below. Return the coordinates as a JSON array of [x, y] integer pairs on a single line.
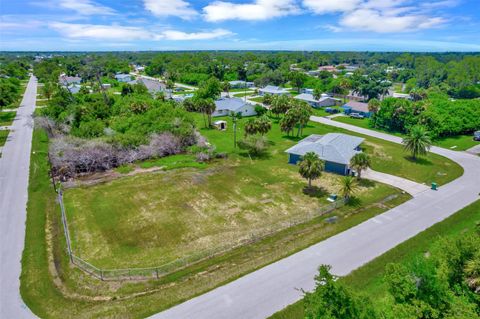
[[125, 33], [330, 6], [381, 16], [179, 35], [376, 21], [258, 10], [164, 8], [86, 7]]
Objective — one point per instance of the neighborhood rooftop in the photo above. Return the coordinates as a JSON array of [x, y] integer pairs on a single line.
[[357, 106], [332, 147], [270, 89], [230, 104]]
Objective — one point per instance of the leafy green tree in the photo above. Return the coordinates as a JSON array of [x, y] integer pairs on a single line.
[[311, 167], [48, 89], [333, 300], [267, 99], [317, 93], [210, 89], [297, 79], [418, 141], [348, 187], [226, 87], [260, 110], [255, 145], [360, 162], [280, 105]]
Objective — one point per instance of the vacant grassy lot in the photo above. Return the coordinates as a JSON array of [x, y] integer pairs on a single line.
[[3, 136], [6, 118], [369, 278]]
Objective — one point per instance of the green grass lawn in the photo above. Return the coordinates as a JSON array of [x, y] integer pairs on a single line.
[[258, 99], [6, 118], [368, 279], [243, 94], [457, 143], [321, 111], [3, 136]]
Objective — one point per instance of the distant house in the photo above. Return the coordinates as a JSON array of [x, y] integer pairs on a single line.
[[225, 106], [106, 85], [69, 80], [309, 91], [123, 78], [328, 68], [324, 100], [336, 149], [153, 86], [357, 107], [241, 84], [74, 88], [402, 96], [273, 90]]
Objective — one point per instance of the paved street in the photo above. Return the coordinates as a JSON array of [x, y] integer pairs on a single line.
[[14, 168], [270, 289]]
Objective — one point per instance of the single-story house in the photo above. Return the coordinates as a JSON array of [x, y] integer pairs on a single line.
[[336, 149], [357, 107], [328, 68], [241, 84], [123, 78], [106, 85], [401, 96], [153, 86], [225, 106], [309, 91], [273, 90], [74, 88], [69, 80], [324, 100]]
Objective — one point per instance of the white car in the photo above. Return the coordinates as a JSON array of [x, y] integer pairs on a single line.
[[356, 115]]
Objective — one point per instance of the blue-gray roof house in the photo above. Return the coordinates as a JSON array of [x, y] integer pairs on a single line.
[[225, 106], [273, 90], [357, 107], [123, 78], [336, 149]]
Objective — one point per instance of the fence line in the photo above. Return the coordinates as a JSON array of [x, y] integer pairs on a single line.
[[181, 263]]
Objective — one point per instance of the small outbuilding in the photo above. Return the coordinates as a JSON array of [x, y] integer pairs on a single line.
[[220, 125]]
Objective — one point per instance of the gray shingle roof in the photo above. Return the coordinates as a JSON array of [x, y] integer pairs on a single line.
[[153, 86], [273, 89], [230, 104], [357, 106], [332, 147]]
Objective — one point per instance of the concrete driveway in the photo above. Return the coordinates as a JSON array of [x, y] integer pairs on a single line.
[[404, 184]]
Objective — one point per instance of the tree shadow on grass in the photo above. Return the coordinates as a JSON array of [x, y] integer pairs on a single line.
[[260, 156], [354, 202], [418, 160], [315, 191], [366, 183]]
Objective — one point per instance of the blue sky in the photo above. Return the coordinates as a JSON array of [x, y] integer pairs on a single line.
[[108, 25]]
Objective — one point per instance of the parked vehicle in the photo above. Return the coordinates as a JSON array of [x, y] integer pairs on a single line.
[[331, 110], [476, 136], [356, 116]]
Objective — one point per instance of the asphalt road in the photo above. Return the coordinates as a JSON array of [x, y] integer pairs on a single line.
[[14, 169], [270, 289]]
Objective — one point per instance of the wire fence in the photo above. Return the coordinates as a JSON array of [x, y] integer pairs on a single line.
[[181, 263]]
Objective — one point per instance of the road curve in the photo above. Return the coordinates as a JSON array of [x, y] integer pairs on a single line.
[[14, 171], [271, 288]]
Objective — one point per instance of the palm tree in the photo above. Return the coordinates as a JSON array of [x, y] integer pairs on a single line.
[[374, 105], [472, 271], [360, 162], [418, 141], [311, 167], [226, 88], [349, 187]]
